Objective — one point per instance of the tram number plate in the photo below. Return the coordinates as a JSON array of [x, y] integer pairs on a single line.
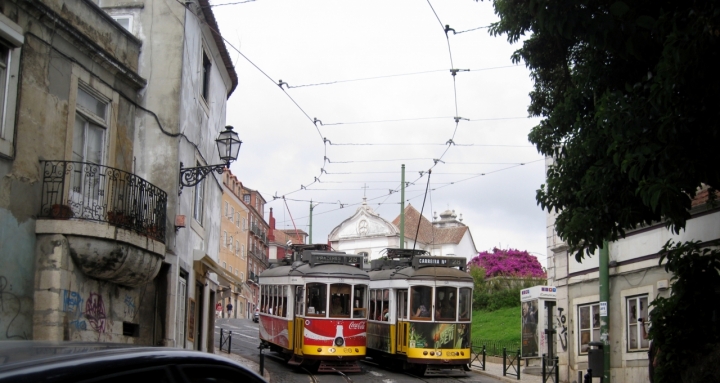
[[347, 350]]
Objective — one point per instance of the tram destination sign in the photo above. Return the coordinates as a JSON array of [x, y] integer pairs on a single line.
[[439, 261], [342, 259]]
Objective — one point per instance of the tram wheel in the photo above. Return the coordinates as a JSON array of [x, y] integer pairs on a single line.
[[420, 369], [466, 367]]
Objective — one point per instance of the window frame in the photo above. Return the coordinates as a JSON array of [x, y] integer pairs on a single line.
[[651, 292], [12, 38]]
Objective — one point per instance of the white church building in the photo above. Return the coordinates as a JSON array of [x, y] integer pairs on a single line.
[[367, 234]]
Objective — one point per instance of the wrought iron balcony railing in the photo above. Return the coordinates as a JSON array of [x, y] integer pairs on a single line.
[[86, 191]]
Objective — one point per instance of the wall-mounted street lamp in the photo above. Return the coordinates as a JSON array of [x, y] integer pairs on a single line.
[[228, 145]]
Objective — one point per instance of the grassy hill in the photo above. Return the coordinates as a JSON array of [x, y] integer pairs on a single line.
[[497, 329]]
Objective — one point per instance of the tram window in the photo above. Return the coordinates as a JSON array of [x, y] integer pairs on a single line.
[[299, 300], [445, 303], [359, 310], [402, 304], [316, 299], [465, 305], [421, 297], [375, 298], [263, 299], [385, 306], [282, 310]]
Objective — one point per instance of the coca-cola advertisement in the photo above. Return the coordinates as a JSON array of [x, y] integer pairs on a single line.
[[322, 332], [274, 330]]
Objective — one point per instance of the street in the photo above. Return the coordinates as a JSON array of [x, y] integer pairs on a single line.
[[245, 343]]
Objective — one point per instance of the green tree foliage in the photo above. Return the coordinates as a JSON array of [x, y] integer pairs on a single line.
[[491, 294], [686, 326], [631, 112]]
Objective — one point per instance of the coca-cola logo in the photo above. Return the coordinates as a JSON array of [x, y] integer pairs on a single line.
[[356, 326]]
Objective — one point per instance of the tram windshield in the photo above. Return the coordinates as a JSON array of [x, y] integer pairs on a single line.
[[316, 299], [336, 300], [421, 298], [445, 303]]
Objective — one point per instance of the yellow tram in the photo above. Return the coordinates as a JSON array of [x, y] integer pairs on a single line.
[[420, 311], [313, 309]]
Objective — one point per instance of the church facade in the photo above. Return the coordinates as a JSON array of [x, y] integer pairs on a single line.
[[366, 233]]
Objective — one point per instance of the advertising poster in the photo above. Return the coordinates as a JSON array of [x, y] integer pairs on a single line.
[[439, 335], [529, 345]]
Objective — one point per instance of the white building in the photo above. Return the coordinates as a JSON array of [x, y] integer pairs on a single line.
[[635, 280], [368, 234]]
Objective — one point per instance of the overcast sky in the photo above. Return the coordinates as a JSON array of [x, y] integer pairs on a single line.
[[376, 74]]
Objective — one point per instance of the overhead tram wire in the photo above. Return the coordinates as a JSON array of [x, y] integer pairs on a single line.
[[393, 75]]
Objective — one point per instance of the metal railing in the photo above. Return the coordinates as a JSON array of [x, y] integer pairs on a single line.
[[550, 369], [479, 353], [225, 339], [86, 191], [509, 362], [494, 347]]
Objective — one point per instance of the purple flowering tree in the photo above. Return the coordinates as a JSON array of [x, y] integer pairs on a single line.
[[508, 263]]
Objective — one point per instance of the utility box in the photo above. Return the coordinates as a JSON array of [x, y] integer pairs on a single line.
[[596, 359], [535, 320]]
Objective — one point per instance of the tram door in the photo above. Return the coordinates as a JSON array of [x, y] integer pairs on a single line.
[[402, 323], [299, 321]]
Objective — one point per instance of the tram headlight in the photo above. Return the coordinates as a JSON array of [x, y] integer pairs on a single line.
[[432, 353], [339, 341], [319, 349], [356, 350], [424, 352], [439, 353], [462, 353], [332, 350]]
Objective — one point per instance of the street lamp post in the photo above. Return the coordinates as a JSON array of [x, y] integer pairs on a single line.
[[228, 145]]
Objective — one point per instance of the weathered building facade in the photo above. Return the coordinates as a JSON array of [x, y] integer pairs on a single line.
[[257, 244], [105, 99], [635, 279], [233, 248]]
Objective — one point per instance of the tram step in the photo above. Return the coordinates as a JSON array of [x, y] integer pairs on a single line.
[[295, 361], [339, 366]]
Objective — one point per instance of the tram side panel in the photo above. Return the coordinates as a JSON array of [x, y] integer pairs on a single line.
[[277, 331]]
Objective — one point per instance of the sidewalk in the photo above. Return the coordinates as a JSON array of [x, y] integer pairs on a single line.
[[249, 364], [495, 370]]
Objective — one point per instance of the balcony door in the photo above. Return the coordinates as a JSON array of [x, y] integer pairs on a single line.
[[88, 181]]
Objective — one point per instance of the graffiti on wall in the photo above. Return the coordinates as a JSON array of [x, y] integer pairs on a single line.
[[95, 312], [9, 309], [72, 303], [129, 309], [562, 323]]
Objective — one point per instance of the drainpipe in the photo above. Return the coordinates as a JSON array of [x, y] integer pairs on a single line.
[[402, 208], [604, 309]]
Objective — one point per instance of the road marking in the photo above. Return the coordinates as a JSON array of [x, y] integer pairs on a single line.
[[388, 381], [376, 373]]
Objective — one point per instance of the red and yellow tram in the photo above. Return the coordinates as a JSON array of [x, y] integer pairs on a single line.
[[420, 311], [313, 309]]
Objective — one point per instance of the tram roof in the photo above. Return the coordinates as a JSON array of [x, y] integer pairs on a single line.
[[422, 273], [323, 270]]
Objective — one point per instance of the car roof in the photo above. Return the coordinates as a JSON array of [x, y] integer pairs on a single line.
[[28, 360]]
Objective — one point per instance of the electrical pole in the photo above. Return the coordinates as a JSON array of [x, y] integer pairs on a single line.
[[604, 309], [402, 208]]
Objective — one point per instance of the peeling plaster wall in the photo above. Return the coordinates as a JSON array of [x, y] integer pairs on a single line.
[[43, 112], [71, 306]]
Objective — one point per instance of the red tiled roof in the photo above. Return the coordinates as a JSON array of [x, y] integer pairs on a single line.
[[428, 233]]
